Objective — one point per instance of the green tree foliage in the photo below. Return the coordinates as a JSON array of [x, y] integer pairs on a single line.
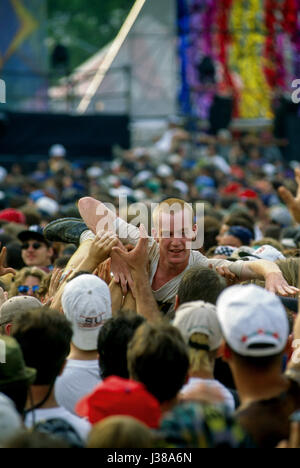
[[85, 26]]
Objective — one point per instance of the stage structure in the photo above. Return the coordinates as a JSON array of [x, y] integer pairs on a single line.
[[209, 60], [23, 55], [142, 81], [245, 54]]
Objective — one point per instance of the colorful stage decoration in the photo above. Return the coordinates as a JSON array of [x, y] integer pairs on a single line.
[[23, 56], [248, 50]]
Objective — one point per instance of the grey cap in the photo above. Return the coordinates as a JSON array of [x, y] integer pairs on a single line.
[[199, 317], [16, 305], [281, 215]]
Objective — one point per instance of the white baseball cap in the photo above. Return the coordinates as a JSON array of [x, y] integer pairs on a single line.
[[265, 252], [10, 421], [164, 171], [94, 172], [86, 303], [48, 205], [253, 321], [199, 317], [57, 151], [268, 252]]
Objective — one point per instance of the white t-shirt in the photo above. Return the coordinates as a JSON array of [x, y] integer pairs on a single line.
[[165, 296], [220, 163], [165, 142], [228, 397], [81, 426], [77, 380]]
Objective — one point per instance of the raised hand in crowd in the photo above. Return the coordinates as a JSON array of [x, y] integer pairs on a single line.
[[117, 297], [121, 270], [99, 250], [293, 203], [57, 283], [102, 245], [103, 271], [138, 262], [137, 259], [57, 278], [5, 270], [97, 216], [3, 296], [54, 282]]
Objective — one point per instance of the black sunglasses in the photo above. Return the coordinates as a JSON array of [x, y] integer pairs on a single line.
[[35, 245]]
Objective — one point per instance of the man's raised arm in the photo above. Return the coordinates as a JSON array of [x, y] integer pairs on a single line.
[[272, 275], [99, 217], [258, 269], [293, 203]]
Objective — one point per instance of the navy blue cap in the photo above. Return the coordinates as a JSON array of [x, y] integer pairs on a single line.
[[290, 303], [242, 233]]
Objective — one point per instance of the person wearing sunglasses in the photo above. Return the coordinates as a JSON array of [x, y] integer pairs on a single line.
[[36, 250], [28, 282], [26, 290]]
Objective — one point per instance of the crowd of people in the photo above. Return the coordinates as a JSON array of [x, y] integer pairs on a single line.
[[125, 331]]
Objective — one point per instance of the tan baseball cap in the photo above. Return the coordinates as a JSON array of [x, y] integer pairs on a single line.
[[199, 317], [16, 305]]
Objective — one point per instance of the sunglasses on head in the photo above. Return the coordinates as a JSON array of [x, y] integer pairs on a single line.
[[25, 289], [35, 245]]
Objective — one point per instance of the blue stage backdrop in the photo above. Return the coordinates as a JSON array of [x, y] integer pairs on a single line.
[[23, 53]]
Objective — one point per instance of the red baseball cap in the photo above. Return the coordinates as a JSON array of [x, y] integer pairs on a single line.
[[13, 216], [117, 396], [248, 193], [232, 188]]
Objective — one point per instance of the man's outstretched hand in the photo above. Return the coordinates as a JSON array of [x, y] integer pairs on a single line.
[[138, 258], [293, 203], [276, 283]]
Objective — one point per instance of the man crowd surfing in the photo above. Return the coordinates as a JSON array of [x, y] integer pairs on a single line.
[[151, 301]]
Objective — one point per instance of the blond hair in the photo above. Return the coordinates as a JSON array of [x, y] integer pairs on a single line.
[[200, 359], [172, 206], [120, 432], [21, 277]]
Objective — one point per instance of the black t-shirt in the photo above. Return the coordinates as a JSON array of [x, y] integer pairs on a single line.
[[267, 421]]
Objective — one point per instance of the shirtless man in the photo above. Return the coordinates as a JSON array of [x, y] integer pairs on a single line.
[[169, 252]]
